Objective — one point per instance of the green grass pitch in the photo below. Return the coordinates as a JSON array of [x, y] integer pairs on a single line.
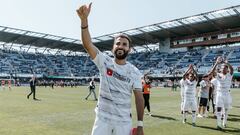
[[64, 111]]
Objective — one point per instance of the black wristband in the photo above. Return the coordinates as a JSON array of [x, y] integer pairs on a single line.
[[84, 27]]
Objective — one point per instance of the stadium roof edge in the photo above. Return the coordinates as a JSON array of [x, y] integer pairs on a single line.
[[150, 34]]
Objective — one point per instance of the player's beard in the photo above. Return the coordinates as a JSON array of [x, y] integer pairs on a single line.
[[120, 56]]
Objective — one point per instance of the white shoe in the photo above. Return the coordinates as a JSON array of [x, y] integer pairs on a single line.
[[199, 116], [148, 113], [205, 115]]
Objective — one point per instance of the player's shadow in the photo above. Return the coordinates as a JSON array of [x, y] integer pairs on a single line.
[[164, 117], [37, 100], [236, 106], [225, 130], [231, 117]]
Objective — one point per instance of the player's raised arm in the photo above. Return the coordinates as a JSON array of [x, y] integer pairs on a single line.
[[230, 67], [218, 61], [83, 13], [195, 74], [188, 71]]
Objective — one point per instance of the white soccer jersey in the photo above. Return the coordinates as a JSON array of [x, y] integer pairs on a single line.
[[182, 92], [189, 89], [216, 85], [189, 95], [225, 82], [116, 85], [204, 89], [182, 88], [223, 98]]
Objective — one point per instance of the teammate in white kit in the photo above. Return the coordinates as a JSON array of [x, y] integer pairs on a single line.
[[190, 101], [214, 84], [118, 79], [181, 82], [203, 96], [223, 98]]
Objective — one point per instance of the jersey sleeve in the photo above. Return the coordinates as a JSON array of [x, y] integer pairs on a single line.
[[99, 59], [203, 84], [137, 83]]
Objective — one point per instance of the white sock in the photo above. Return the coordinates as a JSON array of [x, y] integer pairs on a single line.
[[225, 115], [194, 117], [184, 115], [219, 115]]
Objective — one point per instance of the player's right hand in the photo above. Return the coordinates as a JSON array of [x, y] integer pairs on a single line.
[[219, 60], [140, 131], [84, 11]]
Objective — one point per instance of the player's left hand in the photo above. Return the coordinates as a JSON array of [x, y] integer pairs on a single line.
[[140, 131]]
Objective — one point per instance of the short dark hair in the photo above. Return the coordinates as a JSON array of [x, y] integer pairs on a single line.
[[124, 36], [205, 76]]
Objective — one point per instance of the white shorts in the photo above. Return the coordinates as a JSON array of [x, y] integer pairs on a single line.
[[182, 105], [190, 104], [223, 100], [103, 127], [214, 98], [182, 101]]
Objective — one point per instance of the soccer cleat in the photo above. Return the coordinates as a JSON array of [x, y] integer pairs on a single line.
[[224, 125], [199, 116], [184, 121], [194, 124], [219, 127]]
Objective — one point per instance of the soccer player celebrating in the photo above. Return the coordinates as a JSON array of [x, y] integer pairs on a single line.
[[182, 93], [190, 84], [223, 98], [118, 79]]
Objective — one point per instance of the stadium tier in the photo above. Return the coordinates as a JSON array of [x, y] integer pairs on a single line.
[[161, 64]]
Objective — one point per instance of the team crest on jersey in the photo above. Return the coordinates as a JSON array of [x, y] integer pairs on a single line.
[[109, 72]]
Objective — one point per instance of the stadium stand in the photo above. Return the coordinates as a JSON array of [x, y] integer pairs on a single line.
[[197, 40], [162, 64]]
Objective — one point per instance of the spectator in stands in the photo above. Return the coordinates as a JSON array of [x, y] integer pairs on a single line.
[[33, 88], [91, 88], [117, 80]]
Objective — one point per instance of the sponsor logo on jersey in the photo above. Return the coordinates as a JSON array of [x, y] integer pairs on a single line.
[[114, 74]]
